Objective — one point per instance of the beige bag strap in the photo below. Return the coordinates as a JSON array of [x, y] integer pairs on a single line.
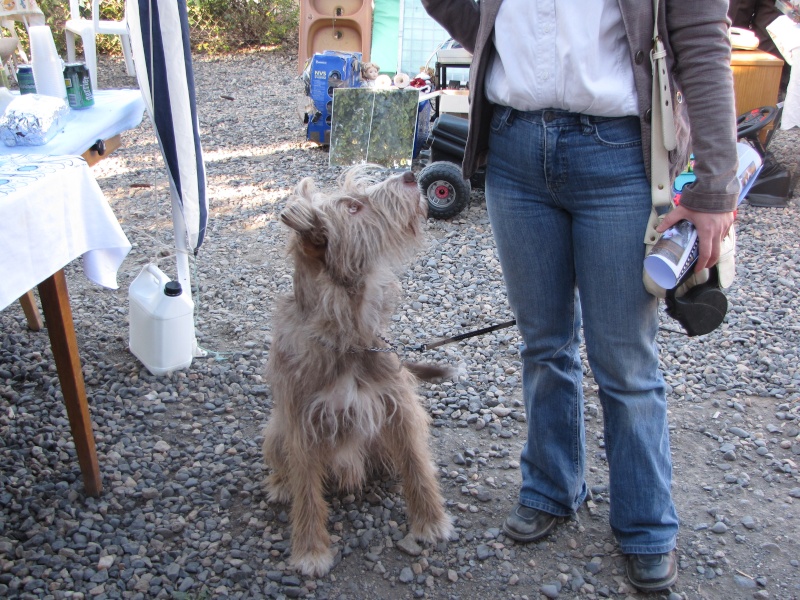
[[662, 137]]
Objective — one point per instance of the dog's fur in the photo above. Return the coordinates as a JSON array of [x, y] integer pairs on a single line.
[[340, 405]]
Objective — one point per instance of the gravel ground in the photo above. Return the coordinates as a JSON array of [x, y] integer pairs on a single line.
[[183, 514]]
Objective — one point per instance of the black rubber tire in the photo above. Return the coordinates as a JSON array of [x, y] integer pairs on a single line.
[[446, 191]]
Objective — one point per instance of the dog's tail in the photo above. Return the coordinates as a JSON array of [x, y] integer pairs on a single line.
[[433, 373]]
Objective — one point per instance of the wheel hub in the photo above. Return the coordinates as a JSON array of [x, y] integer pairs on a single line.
[[441, 193]]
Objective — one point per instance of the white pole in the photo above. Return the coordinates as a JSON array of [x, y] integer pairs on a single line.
[[400, 37], [182, 259]]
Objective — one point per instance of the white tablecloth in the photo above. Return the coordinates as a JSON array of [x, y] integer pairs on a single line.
[[113, 112], [51, 212]]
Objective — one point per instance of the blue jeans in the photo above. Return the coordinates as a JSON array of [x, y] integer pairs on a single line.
[[568, 200]]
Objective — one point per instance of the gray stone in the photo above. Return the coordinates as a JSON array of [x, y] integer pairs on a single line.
[[409, 545], [483, 552], [550, 590], [719, 527]]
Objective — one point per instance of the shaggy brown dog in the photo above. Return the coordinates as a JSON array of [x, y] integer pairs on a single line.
[[342, 400]]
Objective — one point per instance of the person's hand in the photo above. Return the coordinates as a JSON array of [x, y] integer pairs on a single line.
[[711, 229]]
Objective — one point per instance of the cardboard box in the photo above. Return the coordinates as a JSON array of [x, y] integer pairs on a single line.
[[454, 101], [454, 56]]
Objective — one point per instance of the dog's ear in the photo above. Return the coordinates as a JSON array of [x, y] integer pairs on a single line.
[[300, 213], [306, 220], [306, 188]]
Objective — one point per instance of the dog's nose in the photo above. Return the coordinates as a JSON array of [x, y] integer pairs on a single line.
[[409, 177]]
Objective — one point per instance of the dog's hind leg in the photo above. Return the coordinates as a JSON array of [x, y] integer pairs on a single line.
[[407, 445], [311, 552]]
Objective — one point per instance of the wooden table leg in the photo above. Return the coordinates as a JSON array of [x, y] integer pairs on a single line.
[[92, 156], [58, 317], [28, 302]]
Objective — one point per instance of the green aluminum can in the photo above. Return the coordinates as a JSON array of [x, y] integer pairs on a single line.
[[25, 79], [79, 85]]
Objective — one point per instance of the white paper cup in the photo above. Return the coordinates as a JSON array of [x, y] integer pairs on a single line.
[[48, 70]]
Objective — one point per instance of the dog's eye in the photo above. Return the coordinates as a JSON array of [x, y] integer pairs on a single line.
[[353, 206]]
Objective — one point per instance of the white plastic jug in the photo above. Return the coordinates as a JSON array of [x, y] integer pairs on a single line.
[[161, 322]]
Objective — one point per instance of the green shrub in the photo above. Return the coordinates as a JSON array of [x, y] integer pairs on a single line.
[[223, 25], [57, 12], [215, 25]]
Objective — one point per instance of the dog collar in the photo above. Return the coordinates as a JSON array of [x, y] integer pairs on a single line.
[[356, 349], [391, 347]]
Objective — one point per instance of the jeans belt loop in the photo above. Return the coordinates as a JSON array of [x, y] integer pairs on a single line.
[[587, 122], [508, 117]]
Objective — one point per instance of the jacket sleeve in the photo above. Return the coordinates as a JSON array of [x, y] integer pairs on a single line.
[[460, 18], [699, 40]]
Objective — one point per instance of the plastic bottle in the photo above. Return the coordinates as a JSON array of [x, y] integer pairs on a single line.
[[161, 322]]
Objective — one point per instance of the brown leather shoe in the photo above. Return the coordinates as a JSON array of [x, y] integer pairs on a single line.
[[526, 524], [652, 572]]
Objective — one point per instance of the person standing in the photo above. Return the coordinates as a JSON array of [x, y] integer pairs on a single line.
[[560, 98], [757, 15]]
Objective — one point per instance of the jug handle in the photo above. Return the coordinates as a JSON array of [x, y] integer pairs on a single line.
[[160, 276]]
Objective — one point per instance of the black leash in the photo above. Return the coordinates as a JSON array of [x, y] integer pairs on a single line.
[[511, 323], [469, 334]]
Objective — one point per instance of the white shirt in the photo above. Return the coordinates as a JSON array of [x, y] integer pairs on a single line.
[[571, 55]]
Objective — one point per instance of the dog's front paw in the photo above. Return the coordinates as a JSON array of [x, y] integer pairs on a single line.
[[277, 489], [314, 563], [434, 531]]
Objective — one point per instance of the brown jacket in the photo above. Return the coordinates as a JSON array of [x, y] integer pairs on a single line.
[[696, 39]]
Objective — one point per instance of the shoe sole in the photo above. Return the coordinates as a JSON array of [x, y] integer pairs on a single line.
[[518, 537], [653, 587]]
